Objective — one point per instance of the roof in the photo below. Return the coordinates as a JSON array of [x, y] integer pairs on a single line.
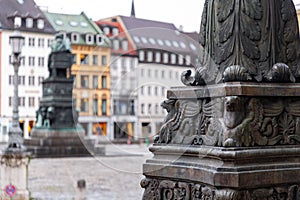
[[71, 23], [159, 35], [24, 9], [121, 36]]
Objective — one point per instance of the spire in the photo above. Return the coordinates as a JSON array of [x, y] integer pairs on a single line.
[[132, 9]]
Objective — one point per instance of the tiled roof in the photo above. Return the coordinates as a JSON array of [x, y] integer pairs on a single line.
[[71, 23], [24, 9], [159, 35], [122, 35]]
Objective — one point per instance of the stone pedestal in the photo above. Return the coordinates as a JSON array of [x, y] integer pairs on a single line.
[[231, 141], [14, 171]]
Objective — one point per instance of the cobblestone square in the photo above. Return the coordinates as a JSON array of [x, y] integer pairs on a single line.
[[114, 176]]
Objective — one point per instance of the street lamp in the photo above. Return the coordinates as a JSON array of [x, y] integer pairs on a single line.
[[15, 141]]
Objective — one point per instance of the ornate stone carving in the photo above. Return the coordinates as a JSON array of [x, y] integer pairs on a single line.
[[255, 35], [232, 121], [170, 190]]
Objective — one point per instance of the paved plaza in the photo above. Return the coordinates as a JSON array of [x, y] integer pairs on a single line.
[[114, 176]]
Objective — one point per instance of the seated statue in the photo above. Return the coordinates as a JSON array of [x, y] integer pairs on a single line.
[[60, 58], [249, 40]]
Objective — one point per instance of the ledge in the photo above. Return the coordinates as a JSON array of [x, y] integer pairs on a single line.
[[235, 89]]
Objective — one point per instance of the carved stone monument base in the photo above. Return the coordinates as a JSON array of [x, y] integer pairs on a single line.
[[231, 141], [14, 173], [222, 173]]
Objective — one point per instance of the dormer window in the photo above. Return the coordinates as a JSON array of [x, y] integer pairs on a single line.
[[74, 37], [99, 39], [29, 23], [115, 31], [17, 22], [89, 39], [40, 23], [106, 30]]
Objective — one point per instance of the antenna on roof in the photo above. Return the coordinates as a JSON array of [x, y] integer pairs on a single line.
[[132, 9]]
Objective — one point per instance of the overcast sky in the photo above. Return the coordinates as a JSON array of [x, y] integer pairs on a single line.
[[179, 12]]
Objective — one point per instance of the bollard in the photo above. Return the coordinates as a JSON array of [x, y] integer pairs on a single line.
[[80, 193]]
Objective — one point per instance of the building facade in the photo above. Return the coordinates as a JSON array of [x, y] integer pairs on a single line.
[[124, 82], [91, 57], [30, 21], [163, 54]]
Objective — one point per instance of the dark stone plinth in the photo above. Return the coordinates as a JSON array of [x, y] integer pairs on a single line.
[[184, 172], [61, 143]]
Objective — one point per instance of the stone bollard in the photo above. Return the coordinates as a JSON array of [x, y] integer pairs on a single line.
[[80, 193]]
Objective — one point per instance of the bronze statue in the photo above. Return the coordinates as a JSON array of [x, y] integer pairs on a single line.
[[253, 38]]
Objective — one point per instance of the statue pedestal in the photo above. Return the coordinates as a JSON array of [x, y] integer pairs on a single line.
[[232, 141], [14, 176]]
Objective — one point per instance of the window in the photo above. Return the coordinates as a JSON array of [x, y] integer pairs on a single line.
[[95, 106], [41, 42], [188, 60], [31, 101], [170, 74], [104, 82], [95, 82], [180, 59], [125, 45], [173, 58], [166, 58], [84, 81], [84, 59], [149, 108], [40, 23], [41, 61], [132, 64], [11, 80], [21, 80], [31, 41], [142, 108], [104, 107], [149, 56], [40, 79], [95, 60], [156, 91], [116, 44], [149, 90], [75, 37], [89, 39], [99, 39], [156, 108], [162, 74], [131, 108], [156, 73], [49, 41], [163, 90], [149, 73], [10, 100], [106, 30], [21, 101], [115, 31], [31, 60], [142, 55], [84, 105], [29, 22], [104, 60], [31, 80], [142, 90], [18, 22], [157, 57]]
